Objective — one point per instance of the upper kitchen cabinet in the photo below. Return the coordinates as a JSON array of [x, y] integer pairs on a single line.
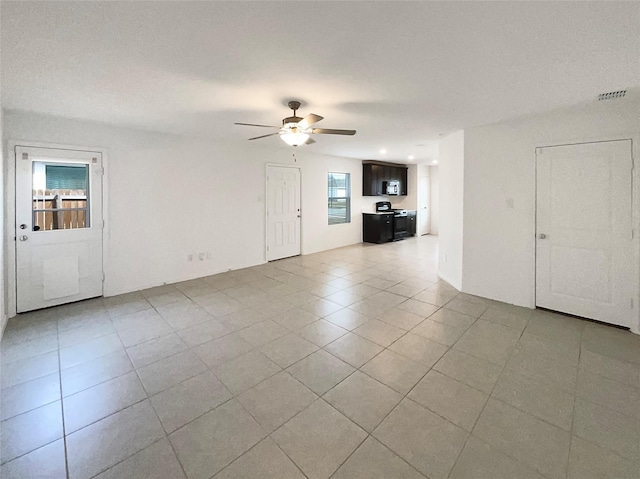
[[376, 173], [372, 178]]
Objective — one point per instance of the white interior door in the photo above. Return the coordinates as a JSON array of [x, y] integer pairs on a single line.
[[584, 230], [58, 227], [424, 215], [283, 212]]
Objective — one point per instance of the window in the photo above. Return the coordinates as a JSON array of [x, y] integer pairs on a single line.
[[60, 196], [339, 198]]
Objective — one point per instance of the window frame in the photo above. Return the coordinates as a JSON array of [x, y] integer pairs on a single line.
[[331, 219]]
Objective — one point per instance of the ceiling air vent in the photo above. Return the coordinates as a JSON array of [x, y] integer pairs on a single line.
[[612, 95]]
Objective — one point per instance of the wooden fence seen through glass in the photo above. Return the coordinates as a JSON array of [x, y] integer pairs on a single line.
[[60, 209]]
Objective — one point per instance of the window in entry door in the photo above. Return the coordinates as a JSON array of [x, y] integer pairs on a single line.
[[60, 196]]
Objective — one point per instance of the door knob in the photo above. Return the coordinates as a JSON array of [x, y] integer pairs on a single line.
[[23, 226], [542, 236], [24, 238]]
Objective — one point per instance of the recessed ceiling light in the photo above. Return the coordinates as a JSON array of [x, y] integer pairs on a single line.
[[411, 157], [435, 162], [383, 151]]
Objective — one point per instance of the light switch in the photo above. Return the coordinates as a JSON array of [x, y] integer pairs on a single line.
[[509, 202]]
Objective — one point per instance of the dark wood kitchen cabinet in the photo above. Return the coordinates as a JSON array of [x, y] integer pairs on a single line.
[[377, 228], [411, 223], [375, 173], [373, 176], [403, 181]]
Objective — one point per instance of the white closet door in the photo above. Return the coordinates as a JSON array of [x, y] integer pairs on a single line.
[[584, 230]]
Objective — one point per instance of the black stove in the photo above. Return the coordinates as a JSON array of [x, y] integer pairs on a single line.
[[399, 219]]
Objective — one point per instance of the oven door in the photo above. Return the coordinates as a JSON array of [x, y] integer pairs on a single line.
[[400, 227]]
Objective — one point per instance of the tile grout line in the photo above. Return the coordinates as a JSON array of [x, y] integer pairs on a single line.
[[370, 434], [166, 436], [573, 411], [485, 406], [235, 397], [284, 369], [125, 459], [268, 434], [319, 397], [64, 432], [109, 415], [518, 409]]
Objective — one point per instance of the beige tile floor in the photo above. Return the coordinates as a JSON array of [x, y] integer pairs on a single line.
[[351, 363]]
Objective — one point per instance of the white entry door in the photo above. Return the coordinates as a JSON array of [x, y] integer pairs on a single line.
[[58, 226], [584, 245], [424, 215], [283, 212]]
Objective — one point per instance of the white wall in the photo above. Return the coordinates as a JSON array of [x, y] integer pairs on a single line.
[[435, 199], [451, 185], [499, 243], [317, 234], [169, 196], [3, 243]]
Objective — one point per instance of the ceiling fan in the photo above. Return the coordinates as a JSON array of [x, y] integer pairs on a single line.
[[296, 130]]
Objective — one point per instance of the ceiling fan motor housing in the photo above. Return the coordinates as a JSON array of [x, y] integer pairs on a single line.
[[294, 105]]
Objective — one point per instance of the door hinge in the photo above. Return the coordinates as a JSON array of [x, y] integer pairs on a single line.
[[103, 276], [631, 303]]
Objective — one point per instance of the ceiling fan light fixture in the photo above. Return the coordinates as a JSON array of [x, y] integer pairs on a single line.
[[294, 138], [296, 131]]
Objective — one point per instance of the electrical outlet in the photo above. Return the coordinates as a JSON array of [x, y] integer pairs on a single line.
[[189, 257], [201, 256]]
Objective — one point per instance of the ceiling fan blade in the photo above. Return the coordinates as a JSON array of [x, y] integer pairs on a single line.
[[329, 131], [309, 120], [309, 141], [253, 124], [264, 136]]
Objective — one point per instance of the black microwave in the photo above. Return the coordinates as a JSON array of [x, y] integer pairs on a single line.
[[391, 188]]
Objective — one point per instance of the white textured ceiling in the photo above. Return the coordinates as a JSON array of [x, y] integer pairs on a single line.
[[401, 73]]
